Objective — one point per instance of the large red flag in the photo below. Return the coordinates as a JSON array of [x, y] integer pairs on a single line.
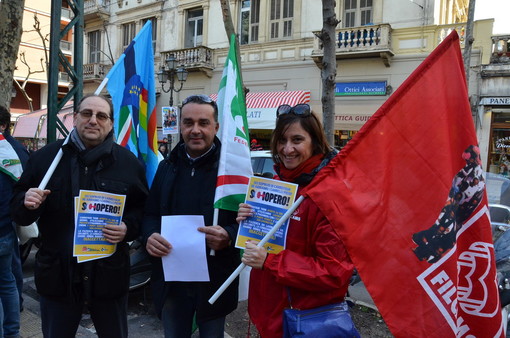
[[407, 195]]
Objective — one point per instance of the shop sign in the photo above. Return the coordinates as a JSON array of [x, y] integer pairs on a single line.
[[503, 142], [360, 88], [496, 101], [352, 118], [261, 118]]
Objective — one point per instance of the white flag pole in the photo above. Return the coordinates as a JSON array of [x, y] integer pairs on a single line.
[[262, 242], [215, 221], [102, 85], [53, 165]]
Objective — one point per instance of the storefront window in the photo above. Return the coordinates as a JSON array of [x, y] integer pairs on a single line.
[[502, 117], [500, 153], [342, 137]]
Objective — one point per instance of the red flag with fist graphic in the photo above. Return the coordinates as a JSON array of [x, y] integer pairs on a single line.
[[407, 195]]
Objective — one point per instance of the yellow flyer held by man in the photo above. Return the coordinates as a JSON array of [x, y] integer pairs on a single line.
[[94, 210]]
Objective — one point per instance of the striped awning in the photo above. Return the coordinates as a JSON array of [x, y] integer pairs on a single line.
[[66, 117], [34, 124], [274, 99], [261, 107]]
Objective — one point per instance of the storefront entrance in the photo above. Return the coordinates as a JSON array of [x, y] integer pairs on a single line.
[[499, 148]]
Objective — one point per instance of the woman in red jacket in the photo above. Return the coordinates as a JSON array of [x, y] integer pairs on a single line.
[[315, 267]]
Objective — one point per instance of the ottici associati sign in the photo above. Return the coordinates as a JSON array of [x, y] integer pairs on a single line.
[[360, 88]]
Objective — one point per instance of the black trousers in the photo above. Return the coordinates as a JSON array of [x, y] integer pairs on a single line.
[[61, 319]]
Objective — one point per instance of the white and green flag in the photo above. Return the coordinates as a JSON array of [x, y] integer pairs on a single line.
[[235, 164], [10, 163]]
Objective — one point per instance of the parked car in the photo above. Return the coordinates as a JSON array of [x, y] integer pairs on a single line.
[[262, 163], [498, 194]]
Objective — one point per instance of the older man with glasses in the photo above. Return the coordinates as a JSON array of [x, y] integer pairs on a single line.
[[91, 161], [184, 185]]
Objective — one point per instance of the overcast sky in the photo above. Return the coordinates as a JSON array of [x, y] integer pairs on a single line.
[[497, 9]]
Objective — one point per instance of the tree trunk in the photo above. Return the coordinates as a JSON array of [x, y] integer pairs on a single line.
[[11, 16], [227, 18], [328, 71], [229, 29], [468, 42]]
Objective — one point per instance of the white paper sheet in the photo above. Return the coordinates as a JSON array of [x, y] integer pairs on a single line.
[[187, 261]]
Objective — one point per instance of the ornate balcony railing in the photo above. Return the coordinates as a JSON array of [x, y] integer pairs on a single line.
[[500, 49], [193, 59], [95, 71], [445, 30], [63, 77], [95, 8], [66, 13], [66, 45], [356, 42]]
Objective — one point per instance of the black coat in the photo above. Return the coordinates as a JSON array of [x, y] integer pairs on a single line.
[[193, 194], [6, 186], [113, 169]]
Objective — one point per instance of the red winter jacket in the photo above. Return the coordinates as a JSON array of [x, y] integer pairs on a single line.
[[314, 266]]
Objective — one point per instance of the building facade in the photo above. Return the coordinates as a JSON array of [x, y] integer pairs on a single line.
[[377, 48], [30, 86], [493, 107]]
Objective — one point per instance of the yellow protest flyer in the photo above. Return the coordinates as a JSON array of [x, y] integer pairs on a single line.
[[94, 210], [269, 199], [82, 259]]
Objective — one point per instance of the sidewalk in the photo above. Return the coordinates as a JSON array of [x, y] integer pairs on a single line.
[[148, 326], [30, 325], [30, 319]]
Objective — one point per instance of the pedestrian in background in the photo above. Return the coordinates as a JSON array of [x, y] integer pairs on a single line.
[[91, 161], [13, 157], [163, 150], [255, 145], [314, 269], [185, 184]]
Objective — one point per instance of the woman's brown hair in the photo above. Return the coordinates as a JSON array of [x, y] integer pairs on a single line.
[[310, 123]]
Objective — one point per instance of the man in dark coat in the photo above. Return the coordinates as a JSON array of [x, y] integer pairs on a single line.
[[185, 185], [13, 157], [91, 161]]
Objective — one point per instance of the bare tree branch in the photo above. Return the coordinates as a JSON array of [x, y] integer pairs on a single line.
[[44, 61]]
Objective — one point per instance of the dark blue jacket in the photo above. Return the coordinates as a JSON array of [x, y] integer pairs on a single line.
[[6, 185]]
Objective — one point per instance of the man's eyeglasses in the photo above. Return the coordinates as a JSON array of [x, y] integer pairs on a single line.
[[198, 99], [301, 109], [87, 114]]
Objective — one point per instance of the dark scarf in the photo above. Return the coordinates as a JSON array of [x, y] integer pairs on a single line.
[[91, 158], [88, 156]]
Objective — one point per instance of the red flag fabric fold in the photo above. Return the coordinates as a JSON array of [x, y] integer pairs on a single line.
[[407, 195]]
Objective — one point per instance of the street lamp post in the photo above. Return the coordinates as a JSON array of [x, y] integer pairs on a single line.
[[169, 73]]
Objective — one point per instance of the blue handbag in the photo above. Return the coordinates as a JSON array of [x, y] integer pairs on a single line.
[[332, 320]]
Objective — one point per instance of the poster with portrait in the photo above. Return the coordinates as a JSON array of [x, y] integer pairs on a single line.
[[269, 199], [170, 120]]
